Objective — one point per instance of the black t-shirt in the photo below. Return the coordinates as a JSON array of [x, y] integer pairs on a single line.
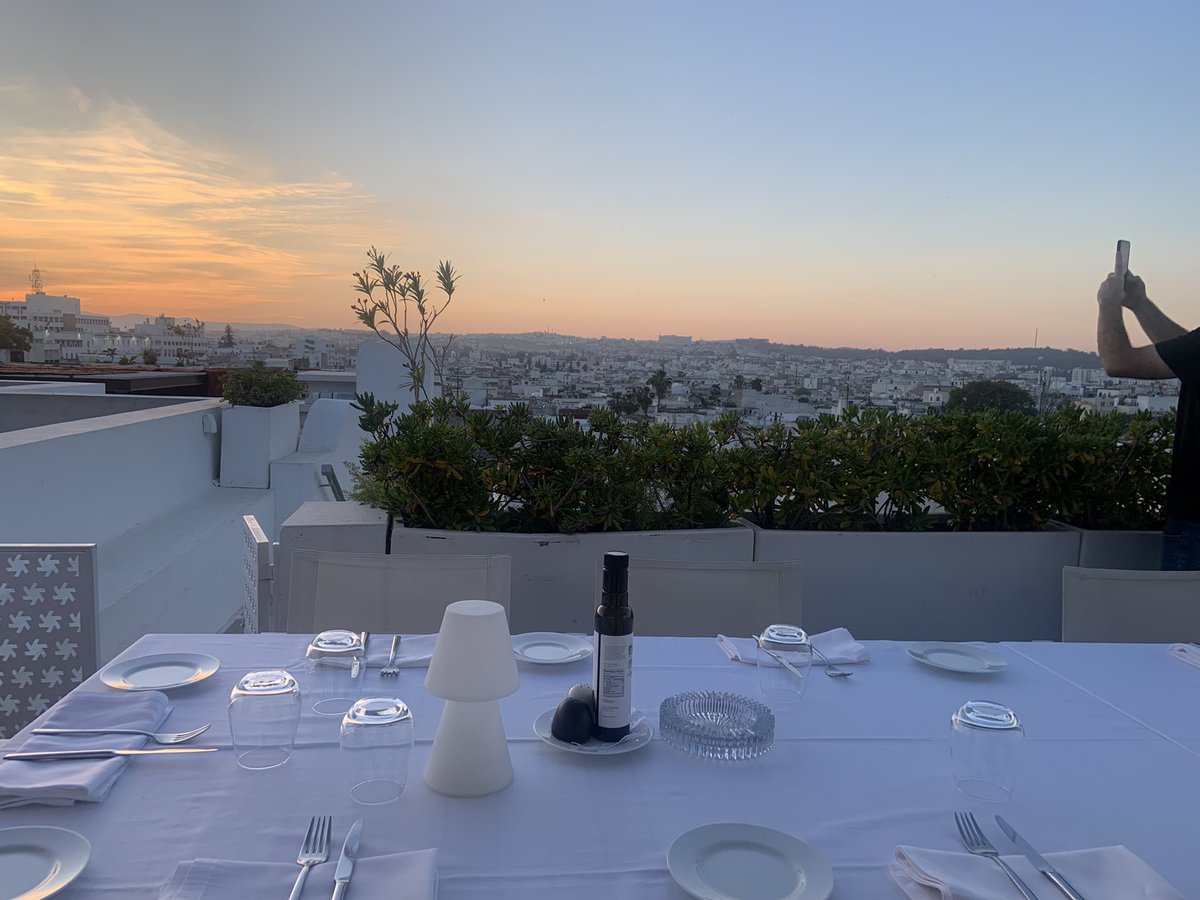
[[1182, 356]]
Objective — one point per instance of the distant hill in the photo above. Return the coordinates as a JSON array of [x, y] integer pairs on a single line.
[[1019, 356], [128, 321]]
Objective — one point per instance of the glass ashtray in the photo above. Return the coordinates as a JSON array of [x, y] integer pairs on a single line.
[[717, 725]]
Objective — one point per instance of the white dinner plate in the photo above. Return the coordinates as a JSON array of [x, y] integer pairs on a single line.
[[729, 861], [159, 671], [39, 861], [639, 736], [957, 657], [549, 648]]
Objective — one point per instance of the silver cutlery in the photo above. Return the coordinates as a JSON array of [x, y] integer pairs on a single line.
[[830, 669], [391, 668], [163, 737], [314, 849], [779, 659], [361, 660], [48, 755], [1039, 862], [345, 866], [977, 843]]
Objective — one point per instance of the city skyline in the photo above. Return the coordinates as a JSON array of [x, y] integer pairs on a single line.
[[933, 176]]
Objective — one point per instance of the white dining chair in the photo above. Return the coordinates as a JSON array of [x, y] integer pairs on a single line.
[[48, 630], [258, 578], [701, 599], [385, 593], [1130, 606]]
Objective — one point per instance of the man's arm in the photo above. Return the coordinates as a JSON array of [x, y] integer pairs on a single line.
[[1154, 321], [1118, 356]]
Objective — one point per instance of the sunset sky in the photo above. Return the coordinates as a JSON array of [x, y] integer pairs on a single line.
[[871, 174]]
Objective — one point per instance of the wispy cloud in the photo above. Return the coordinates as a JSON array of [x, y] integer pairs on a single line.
[[125, 213]]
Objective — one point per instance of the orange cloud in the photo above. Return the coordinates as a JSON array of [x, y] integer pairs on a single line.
[[133, 218]]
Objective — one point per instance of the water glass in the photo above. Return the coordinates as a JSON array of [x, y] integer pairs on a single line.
[[985, 743], [784, 659], [264, 712], [376, 743], [333, 669]]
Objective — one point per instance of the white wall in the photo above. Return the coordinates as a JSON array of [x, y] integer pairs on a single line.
[[93, 479], [381, 372], [71, 388]]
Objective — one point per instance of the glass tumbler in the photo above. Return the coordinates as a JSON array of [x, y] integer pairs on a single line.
[[985, 742], [333, 670], [784, 658], [264, 712], [376, 743]]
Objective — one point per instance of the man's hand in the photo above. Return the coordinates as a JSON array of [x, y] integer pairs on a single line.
[[1135, 292], [1112, 291]]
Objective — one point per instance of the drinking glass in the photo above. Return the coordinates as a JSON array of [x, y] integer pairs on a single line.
[[264, 712], [985, 742], [376, 743], [333, 669], [781, 646]]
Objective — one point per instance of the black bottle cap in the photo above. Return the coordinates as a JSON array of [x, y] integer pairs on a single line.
[[616, 576], [615, 559]]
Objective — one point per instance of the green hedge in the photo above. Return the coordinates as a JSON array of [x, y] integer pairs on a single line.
[[444, 466]]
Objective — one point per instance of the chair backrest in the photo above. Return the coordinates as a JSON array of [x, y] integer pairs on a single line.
[[48, 618], [258, 562], [697, 599], [1127, 606], [388, 594]]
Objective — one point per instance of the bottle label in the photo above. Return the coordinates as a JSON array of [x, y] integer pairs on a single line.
[[613, 668]]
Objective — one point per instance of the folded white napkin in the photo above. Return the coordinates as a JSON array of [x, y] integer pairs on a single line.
[[397, 876], [415, 650], [838, 645], [1103, 873], [62, 783], [1189, 653]]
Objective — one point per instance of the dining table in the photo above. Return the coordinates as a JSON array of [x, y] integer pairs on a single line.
[[859, 766]]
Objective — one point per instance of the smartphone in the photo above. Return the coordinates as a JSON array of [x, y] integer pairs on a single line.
[[1122, 264]]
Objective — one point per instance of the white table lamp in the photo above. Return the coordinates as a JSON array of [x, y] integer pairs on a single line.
[[472, 667]]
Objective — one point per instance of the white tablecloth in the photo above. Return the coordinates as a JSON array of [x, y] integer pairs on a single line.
[[1144, 681], [859, 766]]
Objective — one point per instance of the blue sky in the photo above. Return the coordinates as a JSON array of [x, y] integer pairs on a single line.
[[869, 174]]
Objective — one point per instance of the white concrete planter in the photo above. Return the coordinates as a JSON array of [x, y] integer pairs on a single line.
[[251, 437], [554, 575], [986, 586]]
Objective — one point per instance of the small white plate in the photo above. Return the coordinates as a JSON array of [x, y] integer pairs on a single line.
[[730, 861], [638, 737], [549, 648], [957, 657], [159, 671], [39, 861]]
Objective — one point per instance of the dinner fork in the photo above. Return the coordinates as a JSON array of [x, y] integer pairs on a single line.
[[314, 849], [391, 668], [830, 669], [977, 843], [164, 737]]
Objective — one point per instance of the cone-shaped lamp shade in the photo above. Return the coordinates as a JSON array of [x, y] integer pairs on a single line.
[[473, 658]]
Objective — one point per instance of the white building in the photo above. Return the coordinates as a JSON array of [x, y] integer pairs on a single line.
[[49, 312], [171, 341]]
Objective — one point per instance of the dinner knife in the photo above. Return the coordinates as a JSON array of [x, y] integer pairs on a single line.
[[1039, 862], [48, 755], [345, 866]]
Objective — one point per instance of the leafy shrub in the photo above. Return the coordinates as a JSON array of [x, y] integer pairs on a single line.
[[444, 466], [257, 385]]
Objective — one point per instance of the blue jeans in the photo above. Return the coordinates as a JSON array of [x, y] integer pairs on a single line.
[[1181, 546]]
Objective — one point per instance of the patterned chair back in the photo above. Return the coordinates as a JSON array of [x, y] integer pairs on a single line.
[[48, 617]]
